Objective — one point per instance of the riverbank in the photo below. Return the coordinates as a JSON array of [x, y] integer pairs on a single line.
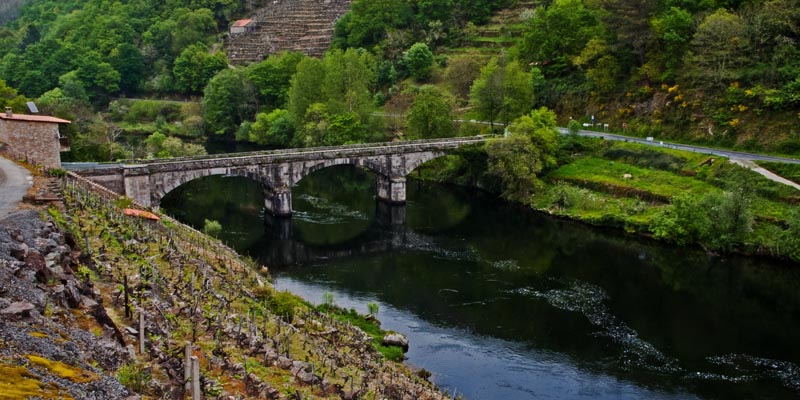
[[680, 197], [84, 286]]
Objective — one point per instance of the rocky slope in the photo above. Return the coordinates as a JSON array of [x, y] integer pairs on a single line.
[[75, 281]]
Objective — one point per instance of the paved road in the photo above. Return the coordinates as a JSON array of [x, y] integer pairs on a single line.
[[697, 149], [14, 183]]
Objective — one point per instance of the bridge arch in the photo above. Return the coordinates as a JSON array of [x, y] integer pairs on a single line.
[[164, 183]]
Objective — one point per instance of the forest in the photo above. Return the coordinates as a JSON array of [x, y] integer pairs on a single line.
[[721, 72]]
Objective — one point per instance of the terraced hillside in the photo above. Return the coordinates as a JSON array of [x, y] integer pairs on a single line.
[[503, 31], [9, 10], [298, 25]]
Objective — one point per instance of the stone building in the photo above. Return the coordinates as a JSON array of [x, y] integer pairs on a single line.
[[243, 26], [34, 138]]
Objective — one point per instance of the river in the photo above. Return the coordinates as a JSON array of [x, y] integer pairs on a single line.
[[500, 302]]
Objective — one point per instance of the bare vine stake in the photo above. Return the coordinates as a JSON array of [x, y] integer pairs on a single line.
[[187, 366], [195, 378], [141, 331]]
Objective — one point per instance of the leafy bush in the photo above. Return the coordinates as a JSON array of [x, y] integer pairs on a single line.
[[134, 376], [283, 304]]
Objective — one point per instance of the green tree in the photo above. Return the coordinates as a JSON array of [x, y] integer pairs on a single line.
[[461, 72], [305, 88], [557, 34], [349, 77], [673, 28], [431, 115], [10, 98], [529, 148], [419, 61], [368, 21], [160, 145], [719, 51], [486, 94], [196, 66], [272, 77], [129, 62], [516, 161], [273, 128], [227, 101], [541, 126], [502, 92], [731, 219], [682, 222]]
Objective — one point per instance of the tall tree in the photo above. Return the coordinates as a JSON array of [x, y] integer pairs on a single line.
[[305, 88], [419, 61], [272, 77], [719, 50], [431, 115], [196, 66], [524, 153], [556, 34], [502, 92], [227, 101]]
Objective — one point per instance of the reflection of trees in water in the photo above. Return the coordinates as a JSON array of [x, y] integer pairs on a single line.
[[235, 202]]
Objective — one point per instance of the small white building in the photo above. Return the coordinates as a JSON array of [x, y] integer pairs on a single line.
[[243, 25]]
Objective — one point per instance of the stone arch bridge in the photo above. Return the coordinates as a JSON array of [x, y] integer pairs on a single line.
[[147, 182]]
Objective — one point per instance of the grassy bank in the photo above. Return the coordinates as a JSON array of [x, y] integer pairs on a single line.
[[680, 197]]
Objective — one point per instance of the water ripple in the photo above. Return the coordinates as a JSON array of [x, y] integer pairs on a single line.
[[589, 300], [332, 213], [748, 368]]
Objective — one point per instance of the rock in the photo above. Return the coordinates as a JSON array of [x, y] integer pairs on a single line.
[[18, 236], [308, 378], [72, 294], [284, 363], [395, 339], [19, 252], [627, 176], [131, 331], [88, 303], [36, 262], [18, 309]]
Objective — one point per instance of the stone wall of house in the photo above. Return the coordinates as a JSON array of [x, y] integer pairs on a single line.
[[36, 142]]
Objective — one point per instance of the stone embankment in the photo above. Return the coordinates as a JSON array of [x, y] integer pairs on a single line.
[[95, 304]]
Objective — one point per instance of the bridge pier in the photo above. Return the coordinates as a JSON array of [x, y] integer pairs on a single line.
[[392, 190], [278, 201]]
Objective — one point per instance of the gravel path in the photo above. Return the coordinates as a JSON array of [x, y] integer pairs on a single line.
[[14, 182]]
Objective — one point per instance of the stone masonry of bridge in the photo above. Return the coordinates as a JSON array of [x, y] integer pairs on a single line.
[[147, 182]]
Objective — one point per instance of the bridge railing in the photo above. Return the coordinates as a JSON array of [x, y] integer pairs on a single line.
[[422, 142]]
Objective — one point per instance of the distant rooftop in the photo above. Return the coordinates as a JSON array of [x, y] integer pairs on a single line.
[[242, 22], [33, 118]]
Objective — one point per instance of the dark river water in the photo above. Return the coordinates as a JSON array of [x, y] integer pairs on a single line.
[[500, 302]]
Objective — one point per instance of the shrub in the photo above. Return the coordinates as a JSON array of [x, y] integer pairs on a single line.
[[212, 228], [134, 376]]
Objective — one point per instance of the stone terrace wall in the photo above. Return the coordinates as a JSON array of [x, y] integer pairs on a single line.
[[297, 25]]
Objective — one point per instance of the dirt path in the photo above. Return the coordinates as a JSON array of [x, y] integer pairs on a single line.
[[768, 174], [14, 182]]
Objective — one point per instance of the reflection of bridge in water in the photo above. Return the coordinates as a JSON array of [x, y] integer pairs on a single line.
[[387, 232]]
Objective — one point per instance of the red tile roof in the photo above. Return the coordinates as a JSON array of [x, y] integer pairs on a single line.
[[34, 118], [242, 22]]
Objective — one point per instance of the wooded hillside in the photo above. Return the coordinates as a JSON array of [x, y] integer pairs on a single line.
[[724, 72]]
